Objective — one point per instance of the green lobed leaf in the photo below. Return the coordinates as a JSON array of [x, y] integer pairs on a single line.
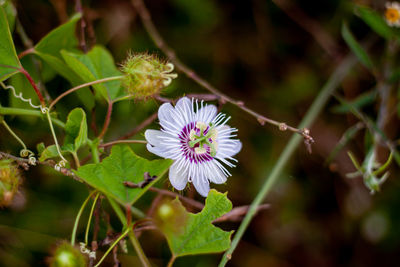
[[357, 49], [97, 64], [76, 130], [195, 233], [62, 37], [8, 55], [40, 148], [374, 21], [121, 166], [49, 48], [48, 153], [22, 85], [11, 13]]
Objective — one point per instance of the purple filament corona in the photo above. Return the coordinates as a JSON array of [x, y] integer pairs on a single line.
[[189, 152]]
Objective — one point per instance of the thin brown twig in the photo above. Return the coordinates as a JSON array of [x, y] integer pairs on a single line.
[[141, 126], [107, 120], [164, 192], [154, 204], [187, 200], [82, 39], [206, 97], [161, 44], [237, 213], [25, 164]]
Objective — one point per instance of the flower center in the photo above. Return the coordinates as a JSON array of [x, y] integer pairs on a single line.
[[203, 139], [392, 14], [198, 142]]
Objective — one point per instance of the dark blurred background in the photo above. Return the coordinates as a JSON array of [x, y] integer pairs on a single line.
[[256, 51]]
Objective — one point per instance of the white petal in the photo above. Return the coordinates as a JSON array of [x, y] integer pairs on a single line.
[[185, 109], [165, 112], [157, 150], [178, 176], [169, 118], [228, 148], [154, 137], [206, 114], [215, 174], [200, 182]]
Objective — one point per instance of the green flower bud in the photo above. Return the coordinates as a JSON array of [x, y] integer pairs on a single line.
[[66, 255], [10, 179], [146, 75]]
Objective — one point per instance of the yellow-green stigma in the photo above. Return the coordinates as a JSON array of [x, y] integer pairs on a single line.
[[203, 136]]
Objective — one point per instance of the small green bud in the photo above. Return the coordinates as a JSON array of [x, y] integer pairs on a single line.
[[66, 255], [10, 179], [146, 75]]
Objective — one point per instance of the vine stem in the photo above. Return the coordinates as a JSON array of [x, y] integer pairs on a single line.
[[54, 136], [312, 113], [35, 87], [14, 134], [123, 142], [78, 216], [107, 120], [27, 112], [76, 88], [171, 261], [90, 218], [162, 45], [135, 243], [127, 231], [26, 52], [76, 159]]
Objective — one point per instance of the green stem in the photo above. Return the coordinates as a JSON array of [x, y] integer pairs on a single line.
[[132, 237], [83, 86], [54, 136], [27, 112], [76, 159], [90, 218], [112, 246], [14, 134], [95, 150], [73, 236], [137, 213], [127, 97], [294, 142], [171, 261]]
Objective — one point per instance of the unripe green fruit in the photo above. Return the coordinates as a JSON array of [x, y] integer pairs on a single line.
[[10, 180], [66, 255], [146, 75]]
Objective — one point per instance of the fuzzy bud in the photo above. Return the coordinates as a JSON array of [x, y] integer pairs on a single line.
[[146, 75], [10, 180], [66, 255]]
